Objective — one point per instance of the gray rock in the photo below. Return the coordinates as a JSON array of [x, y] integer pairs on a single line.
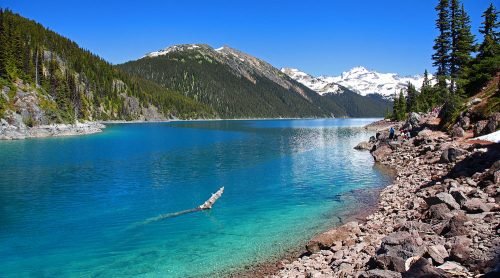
[[443, 198], [459, 197], [460, 249], [456, 226], [475, 101], [457, 132], [440, 212], [465, 122], [450, 155], [493, 122], [396, 248], [438, 253], [364, 146], [379, 273], [475, 205], [423, 268], [480, 128], [414, 119]]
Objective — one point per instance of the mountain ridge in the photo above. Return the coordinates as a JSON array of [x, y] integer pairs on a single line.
[[212, 75], [358, 79]]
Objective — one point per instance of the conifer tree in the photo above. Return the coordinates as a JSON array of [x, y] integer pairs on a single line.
[[395, 108], [442, 43], [461, 48], [489, 46], [487, 62], [411, 98]]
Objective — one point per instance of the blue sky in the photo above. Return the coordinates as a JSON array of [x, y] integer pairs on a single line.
[[319, 37]]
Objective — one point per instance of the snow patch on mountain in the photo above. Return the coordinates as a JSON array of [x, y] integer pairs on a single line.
[[359, 80], [316, 84], [170, 49]]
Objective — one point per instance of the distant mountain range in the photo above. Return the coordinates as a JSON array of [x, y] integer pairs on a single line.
[[238, 85], [359, 80]]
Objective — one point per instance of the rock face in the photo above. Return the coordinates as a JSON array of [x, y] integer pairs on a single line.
[[439, 218]]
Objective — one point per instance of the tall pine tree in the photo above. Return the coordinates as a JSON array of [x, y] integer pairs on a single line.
[[461, 48], [489, 47], [487, 62], [442, 43]]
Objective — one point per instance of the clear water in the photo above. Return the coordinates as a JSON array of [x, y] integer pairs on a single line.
[[72, 207]]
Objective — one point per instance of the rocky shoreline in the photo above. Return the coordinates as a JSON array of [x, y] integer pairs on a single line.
[[440, 217], [13, 132]]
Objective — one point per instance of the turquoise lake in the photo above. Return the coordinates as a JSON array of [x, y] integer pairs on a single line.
[[76, 206]]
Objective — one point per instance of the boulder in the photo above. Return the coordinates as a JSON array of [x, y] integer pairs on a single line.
[[381, 152], [457, 132], [450, 155], [438, 253], [396, 248], [417, 226], [414, 119], [379, 273], [364, 146], [459, 197], [326, 240], [464, 122], [475, 101], [480, 128], [440, 212], [444, 198], [475, 205], [460, 249], [493, 122], [456, 226], [423, 268]]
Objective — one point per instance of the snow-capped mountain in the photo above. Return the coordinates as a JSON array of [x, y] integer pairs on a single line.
[[359, 80]]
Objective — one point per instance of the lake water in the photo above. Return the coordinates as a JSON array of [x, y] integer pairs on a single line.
[[77, 206]]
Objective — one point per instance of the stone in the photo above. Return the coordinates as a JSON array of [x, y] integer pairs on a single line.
[[414, 119], [475, 205], [450, 155], [465, 122], [457, 132], [460, 249], [459, 197], [364, 146], [381, 152], [396, 248], [456, 226], [417, 226], [325, 240], [423, 268], [452, 267], [440, 212], [438, 253], [443, 197], [493, 123], [480, 128], [475, 101], [379, 273]]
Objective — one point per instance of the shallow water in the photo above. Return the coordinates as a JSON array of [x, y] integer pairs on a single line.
[[75, 206]]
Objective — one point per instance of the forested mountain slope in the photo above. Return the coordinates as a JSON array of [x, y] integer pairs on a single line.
[[46, 78]]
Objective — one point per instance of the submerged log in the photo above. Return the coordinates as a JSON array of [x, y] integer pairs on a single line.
[[207, 205], [211, 201]]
